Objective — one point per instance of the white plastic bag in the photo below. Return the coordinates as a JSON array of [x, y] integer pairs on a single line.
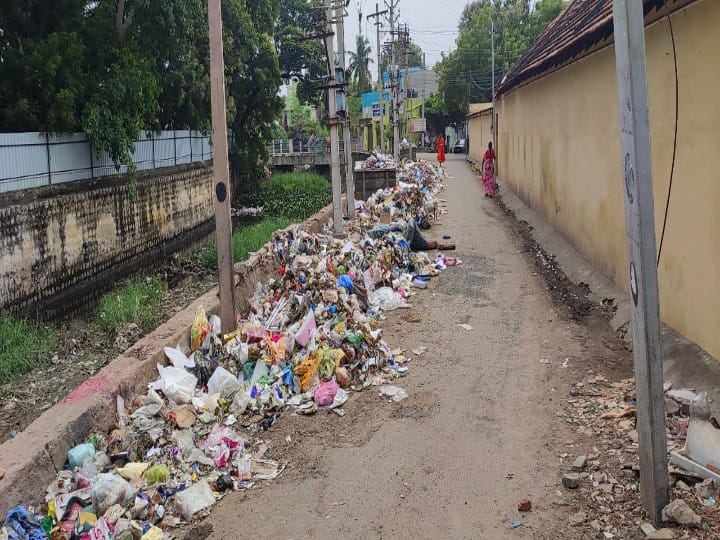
[[223, 382], [195, 498], [386, 299], [178, 358], [177, 384], [108, 490]]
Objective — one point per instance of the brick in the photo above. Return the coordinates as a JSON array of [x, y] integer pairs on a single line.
[[525, 505]]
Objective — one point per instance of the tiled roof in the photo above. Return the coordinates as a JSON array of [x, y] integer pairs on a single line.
[[576, 31]]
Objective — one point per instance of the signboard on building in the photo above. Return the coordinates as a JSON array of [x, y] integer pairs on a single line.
[[418, 125], [376, 109]]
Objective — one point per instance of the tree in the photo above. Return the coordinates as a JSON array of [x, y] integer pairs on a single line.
[[115, 67], [359, 66], [301, 57], [465, 74], [412, 57]]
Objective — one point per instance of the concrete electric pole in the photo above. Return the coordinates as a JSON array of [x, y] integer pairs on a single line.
[[381, 86], [642, 270], [340, 14], [333, 122], [221, 172], [394, 109]]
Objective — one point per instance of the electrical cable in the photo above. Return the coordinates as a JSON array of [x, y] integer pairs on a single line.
[[677, 108]]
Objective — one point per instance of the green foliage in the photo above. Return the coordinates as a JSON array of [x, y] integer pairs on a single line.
[[136, 301], [115, 68], [122, 107], [359, 67], [465, 75], [301, 59], [23, 346], [246, 240], [295, 196], [298, 181]]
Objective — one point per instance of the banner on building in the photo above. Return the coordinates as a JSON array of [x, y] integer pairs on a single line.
[[418, 125]]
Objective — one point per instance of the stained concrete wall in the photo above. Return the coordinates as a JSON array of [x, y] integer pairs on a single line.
[[559, 151], [58, 242], [479, 130]]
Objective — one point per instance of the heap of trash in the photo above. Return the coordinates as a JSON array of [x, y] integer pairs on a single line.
[[311, 339], [606, 481], [377, 160]]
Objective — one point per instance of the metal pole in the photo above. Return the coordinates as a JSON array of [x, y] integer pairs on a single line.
[[396, 72], [221, 172], [333, 123], [47, 152], [381, 85], [423, 99], [349, 180], [494, 115], [640, 229]]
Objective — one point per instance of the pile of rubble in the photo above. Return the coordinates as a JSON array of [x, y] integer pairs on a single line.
[[605, 481], [311, 339]]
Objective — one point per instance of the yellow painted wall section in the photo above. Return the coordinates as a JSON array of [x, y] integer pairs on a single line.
[[559, 150], [480, 135]]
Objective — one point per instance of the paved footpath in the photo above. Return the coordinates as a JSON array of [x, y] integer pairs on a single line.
[[478, 432]]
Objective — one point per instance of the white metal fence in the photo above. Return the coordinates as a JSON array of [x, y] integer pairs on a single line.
[[38, 159]]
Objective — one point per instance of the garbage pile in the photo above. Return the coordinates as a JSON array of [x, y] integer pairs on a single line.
[[311, 339], [379, 161], [607, 479]]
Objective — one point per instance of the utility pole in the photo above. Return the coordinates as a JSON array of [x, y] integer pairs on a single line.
[[422, 106], [406, 85], [494, 114], [333, 122], [221, 173], [349, 180], [381, 90], [394, 109], [640, 228]]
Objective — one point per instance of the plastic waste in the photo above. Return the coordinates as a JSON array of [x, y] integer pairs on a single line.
[[395, 393], [222, 444], [200, 328], [307, 329], [21, 524], [177, 358], [133, 471], [81, 454], [241, 402], [110, 489], [325, 393], [194, 499], [386, 299], [703, 438], [177, 384], [261, 369], [157, 474], [223, 382]]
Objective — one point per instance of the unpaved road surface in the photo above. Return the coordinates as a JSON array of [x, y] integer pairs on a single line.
[[480, 430]]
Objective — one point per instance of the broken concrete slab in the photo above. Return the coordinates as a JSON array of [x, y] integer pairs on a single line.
[[571, 480], [579, 464]]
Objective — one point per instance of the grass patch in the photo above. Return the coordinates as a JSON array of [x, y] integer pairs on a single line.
[[295, 196], [137, 301], [24, 345], [298, 181], [247, 239]]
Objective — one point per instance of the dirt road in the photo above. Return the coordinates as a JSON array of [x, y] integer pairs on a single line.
[[478, 432]]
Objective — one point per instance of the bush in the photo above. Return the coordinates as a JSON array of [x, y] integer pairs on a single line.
[[298, 181], [245, 240], [293, 196], [23, 345], [137, 301]]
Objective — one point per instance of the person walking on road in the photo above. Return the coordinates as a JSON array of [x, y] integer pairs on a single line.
[[441, 150], [488, 171]]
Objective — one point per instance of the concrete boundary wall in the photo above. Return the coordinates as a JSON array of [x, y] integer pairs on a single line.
[[30, 461], [59, 245]]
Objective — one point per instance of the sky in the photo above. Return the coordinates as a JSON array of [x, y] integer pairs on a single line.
[[433, 25]]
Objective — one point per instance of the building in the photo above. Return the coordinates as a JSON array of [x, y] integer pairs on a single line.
[[559, 147], [421, 83]]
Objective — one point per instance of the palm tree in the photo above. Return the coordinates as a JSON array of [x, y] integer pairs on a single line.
[[359, 62]]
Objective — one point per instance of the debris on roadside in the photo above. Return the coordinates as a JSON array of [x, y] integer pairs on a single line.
[[311, 339], [608, 475]]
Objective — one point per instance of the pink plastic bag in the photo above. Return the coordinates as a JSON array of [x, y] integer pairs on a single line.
[[325, 393], [222, 444]]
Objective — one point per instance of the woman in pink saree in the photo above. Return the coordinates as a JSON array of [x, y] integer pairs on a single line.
[[488, 171]]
